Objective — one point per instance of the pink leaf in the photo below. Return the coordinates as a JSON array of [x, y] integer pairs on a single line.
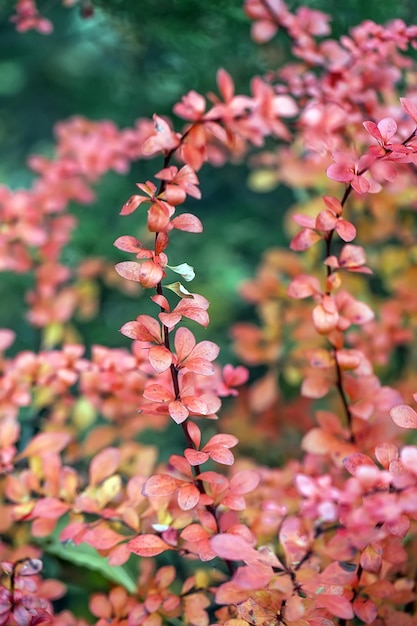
[[184, 342], [195, 457], [187, 222], [178, 411], [222, 455], [304, 239], [195, 433], [404, 416], [353, 462], [409, 107], [128, 244], [303, 286], [244, 481], [160, 358], [148, 545], [345, 230], [233, 548], [50, 508], [337, 605]]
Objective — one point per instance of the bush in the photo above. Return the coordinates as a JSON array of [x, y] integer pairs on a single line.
[[301, 508]]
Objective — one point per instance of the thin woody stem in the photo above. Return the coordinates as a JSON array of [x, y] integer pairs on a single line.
[[173, 369]]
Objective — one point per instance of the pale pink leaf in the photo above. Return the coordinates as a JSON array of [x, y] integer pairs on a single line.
[[404, 416], [130, 270]]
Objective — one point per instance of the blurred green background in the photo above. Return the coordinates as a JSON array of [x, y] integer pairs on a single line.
[[129, 60]]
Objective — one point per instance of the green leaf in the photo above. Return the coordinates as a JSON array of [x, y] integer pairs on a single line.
[[179, 289], [86, 556], [184, 270]]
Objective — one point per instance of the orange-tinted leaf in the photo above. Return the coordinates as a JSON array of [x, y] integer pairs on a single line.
[[188, 497], [104, 464], [45, 443], [148, 545], [404, 416]]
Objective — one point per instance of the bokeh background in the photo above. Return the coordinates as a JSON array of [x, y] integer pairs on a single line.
[[129, 60]]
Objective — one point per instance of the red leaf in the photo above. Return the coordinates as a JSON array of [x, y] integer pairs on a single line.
[[404, 416], [365, 609], [160, 358], [148, 545], [187, 222], [104, 464]]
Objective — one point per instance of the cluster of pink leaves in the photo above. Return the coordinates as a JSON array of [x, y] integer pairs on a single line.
[[27, 17], [321, 538]]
